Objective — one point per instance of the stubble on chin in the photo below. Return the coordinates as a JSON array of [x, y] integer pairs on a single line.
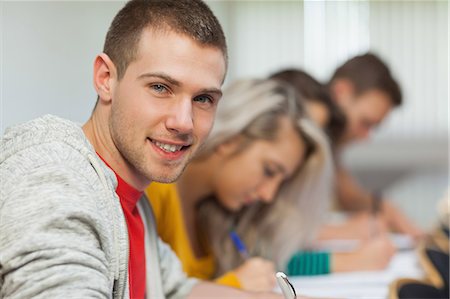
[[161, 172], [171, 172]]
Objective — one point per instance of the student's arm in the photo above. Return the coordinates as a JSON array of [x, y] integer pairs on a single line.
[[374, 254], [352, 197], [211, 290], [359, 225], [398, 221], [51, 236]]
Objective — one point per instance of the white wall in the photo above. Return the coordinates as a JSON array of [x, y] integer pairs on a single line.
[[48, 49]]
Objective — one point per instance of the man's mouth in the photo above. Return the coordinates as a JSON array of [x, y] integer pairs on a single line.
[[170, 148]]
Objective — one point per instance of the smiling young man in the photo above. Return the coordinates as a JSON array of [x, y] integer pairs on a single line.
[[72, 222]]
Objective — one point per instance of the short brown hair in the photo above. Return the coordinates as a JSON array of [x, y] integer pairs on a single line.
[[192, 18], [368, 72], [312, 90]]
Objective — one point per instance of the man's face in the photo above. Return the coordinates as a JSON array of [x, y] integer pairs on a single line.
[[364, 112], [164, 106]]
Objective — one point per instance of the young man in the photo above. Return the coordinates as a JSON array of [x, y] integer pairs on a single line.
[[365, 91], [71, 222]]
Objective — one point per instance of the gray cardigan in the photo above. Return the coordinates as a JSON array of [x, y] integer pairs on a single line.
[[62, 230]]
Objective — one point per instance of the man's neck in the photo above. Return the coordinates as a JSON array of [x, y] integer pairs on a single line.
[[98, 134]]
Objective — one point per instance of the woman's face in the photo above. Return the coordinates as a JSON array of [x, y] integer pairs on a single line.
[[256, 173]]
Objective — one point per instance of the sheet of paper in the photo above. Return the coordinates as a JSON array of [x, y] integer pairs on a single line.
[[401, 242], [361, 284]]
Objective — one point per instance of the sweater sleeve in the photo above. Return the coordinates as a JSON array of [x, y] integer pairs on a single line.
[[229, 279], [50, 237], [305, 263], [176, 284]]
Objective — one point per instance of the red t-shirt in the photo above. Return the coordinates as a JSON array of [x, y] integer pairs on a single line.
[[129, 197]]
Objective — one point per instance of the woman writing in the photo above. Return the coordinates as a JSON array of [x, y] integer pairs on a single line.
[[283, 231]]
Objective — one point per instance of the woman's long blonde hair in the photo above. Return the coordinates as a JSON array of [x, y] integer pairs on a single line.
[[252, 109]]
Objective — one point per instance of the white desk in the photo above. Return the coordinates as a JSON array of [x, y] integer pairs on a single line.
[[367, 284]]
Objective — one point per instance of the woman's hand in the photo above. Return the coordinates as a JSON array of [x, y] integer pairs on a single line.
[[374, 254], [256, 274], [365, 226], [399, 222]]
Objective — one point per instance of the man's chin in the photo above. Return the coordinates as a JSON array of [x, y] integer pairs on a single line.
[[167, 177], [166, 172]]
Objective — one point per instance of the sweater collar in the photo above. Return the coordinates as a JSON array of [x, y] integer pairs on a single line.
[[128, 194]]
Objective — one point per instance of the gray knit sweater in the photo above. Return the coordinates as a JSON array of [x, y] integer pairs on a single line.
[[62, 230]]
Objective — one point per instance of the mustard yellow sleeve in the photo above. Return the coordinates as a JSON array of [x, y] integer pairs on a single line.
[[164, 204], [229, 279], [171, 228]]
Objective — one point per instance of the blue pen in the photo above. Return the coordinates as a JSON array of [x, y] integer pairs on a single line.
[[239, 245]]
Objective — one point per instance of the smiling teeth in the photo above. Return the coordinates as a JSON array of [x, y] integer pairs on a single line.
[[168, 147]]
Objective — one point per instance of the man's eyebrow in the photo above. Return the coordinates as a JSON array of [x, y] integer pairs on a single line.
[[161, 76], [216, 91], [178, 83]]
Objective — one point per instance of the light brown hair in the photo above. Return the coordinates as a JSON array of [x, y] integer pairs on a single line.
[[312, 90]]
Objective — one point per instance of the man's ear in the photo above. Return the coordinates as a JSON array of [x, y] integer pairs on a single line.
[[104, 76], [342, 91]]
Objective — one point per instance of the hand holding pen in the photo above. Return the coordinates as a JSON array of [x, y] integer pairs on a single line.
[[261, 273], [255, 273], [240, 246]]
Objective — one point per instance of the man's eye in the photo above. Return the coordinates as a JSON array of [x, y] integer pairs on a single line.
[[159, 88], [204, 99]]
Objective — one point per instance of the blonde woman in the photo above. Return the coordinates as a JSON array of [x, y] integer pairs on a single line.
[[262, 144], [285, 230]]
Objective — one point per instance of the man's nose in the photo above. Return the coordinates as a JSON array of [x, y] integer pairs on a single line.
[[181, 119]]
